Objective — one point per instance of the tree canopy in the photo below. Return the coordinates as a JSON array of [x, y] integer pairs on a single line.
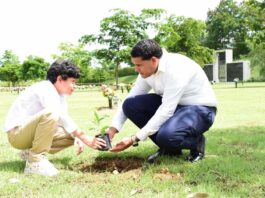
[[230, 25], [34, 68], [77, 54], [10, 67], [226, 28], [185, 35], [118, 33], [8, 58]]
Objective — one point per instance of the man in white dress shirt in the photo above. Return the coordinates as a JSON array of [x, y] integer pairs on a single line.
[[38, 122], [175, 116]]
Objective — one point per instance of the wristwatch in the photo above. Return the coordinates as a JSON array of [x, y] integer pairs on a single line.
[[135, 140]]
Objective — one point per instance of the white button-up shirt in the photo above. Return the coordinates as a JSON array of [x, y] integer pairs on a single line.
[[180, 81], [40, 96]]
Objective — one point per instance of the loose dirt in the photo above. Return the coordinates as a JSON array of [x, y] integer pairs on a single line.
[[112, 164]]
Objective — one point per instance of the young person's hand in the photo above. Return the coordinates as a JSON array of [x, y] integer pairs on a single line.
[[80, 146], [92, 142]]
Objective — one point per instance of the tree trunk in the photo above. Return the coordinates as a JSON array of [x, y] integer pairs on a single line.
[[110, 103], [117, 74]]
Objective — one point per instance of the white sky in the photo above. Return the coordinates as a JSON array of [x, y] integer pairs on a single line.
[[37, 27]]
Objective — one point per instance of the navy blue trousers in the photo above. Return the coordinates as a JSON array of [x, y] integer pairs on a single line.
[[182, 131]]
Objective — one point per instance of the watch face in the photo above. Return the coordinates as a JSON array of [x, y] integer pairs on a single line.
[[135, 144], [135, 140]]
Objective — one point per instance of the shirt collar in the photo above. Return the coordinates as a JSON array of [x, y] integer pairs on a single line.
[[53, 88], [162, 62]]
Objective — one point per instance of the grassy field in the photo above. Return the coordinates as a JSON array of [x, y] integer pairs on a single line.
[[234, 164]]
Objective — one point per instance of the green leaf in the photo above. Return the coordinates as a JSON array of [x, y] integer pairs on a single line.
[[96, 117], [103, 129]]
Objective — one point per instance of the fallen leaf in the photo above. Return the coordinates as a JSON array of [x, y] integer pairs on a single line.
[[135, 191], [164, 170], [198, 195], [115, 172], [165, 174], [187, 190], [162, 176], [13, 180]]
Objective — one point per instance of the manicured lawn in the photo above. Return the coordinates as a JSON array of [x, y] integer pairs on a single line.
[[234, 164]]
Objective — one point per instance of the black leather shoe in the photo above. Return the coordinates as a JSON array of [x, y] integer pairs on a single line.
[[152, 158], [198, 153]]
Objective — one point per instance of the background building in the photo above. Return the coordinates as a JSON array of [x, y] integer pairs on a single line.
[[225, 70]]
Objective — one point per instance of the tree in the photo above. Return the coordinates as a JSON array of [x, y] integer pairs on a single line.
[[9, 58], [257, 58], [10, 69], [99, 75], [185, 35], [118, 33], [226, 27], [34, 68], [254, 12], [10, 73], [79, 56]]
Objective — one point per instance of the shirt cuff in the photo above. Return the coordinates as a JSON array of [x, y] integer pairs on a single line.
[[142, 135]]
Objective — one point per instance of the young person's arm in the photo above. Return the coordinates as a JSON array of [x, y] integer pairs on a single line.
[[92, 142]]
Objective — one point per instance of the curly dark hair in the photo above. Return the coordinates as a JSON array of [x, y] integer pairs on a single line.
[[63, 68], [146, 49]]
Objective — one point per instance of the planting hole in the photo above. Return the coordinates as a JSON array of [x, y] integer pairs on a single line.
[[112, 164]]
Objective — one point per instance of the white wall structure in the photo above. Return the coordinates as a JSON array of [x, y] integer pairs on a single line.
[[238, 69], [225, 70], [222, 57]]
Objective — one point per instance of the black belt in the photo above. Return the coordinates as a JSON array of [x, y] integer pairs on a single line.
[[214, 109]]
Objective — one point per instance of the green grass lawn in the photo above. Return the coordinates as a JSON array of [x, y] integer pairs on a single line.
[[234, 164]]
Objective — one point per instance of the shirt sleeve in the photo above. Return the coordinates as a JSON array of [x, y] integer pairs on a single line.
[[65, 120], [68, 124], [175, 85], [140, 87], [58, 105]]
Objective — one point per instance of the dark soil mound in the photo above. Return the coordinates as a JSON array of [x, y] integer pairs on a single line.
[[112, 164]]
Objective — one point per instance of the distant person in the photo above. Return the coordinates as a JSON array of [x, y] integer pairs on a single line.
[[38, 122], [175, 116]]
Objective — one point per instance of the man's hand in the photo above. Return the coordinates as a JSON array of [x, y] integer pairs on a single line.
[[112, 131], [80, 146], [122, 145]]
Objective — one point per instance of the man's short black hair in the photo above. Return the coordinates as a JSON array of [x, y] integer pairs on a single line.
[[146, 49], [63, 68]]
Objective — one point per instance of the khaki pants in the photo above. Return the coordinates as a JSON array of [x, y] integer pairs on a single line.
[[40, 135]]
